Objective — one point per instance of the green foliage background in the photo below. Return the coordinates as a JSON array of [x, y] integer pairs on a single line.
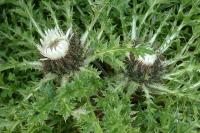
[[31, 101]]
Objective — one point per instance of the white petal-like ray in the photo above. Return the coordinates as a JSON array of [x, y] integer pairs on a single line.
[[69, 32], [148, 59]]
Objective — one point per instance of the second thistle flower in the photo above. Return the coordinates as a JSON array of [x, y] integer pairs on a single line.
[[144, 69]]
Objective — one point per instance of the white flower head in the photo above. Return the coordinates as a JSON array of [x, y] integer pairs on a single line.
[[147, 59], [55, 43]]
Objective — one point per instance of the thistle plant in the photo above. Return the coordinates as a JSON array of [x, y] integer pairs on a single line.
[[53, 55]]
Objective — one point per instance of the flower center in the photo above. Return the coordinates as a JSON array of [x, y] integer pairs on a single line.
[[54, 44]]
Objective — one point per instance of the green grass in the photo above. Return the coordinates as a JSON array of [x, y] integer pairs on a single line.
[[35, 102]]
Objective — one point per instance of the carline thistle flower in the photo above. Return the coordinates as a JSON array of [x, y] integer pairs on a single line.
[[62, 52], [144, 69]]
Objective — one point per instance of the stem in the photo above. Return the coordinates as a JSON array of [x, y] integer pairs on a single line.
[[98, 128], [134, 30]]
